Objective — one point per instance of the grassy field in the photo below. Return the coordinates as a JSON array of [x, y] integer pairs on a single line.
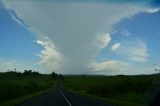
[[18, 87], [119, 90]]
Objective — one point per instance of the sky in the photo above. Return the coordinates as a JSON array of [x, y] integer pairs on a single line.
[[108, 37]]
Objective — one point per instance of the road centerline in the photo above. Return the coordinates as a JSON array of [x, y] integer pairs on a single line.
[[65, 98]]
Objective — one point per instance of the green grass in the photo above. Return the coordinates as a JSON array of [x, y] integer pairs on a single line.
[[118, 90], [116, 102], [15, 87], [112, 101], [17, 101]]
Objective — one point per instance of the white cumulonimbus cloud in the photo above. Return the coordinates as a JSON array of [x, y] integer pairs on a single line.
[[49, 55], [105, 40], [102, 41], [73, 27]]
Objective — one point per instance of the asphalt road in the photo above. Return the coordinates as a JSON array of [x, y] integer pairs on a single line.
[[59, 97]]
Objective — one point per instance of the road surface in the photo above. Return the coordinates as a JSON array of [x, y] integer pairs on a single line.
[[59, 97]]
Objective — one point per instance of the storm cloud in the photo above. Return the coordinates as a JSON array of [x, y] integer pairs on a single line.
[[74, 31]]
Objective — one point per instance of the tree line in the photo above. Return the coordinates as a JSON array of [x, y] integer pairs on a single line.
[[53, 75]]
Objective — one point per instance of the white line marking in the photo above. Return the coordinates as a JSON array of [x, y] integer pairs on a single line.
[[65, 97]]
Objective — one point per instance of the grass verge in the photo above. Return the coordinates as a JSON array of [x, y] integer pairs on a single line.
[[116, 90], [19, 100], [111, 101]]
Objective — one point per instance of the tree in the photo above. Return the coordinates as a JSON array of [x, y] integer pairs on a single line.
[[27, 72], [35, 73], [54, 75], [60, 77]]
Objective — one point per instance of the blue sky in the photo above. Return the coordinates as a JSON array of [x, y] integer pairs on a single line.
[[16, 42], [143, 26], [80, 37]]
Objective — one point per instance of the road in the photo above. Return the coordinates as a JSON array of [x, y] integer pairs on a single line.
[[59, 97]]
